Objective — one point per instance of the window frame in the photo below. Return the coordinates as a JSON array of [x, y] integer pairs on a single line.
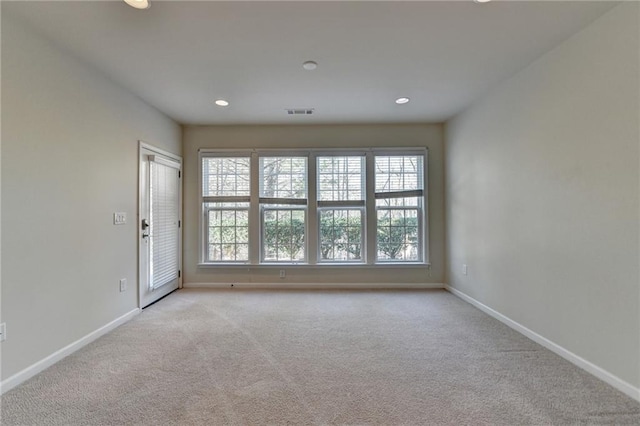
[[282, 203], [205, 210], [361, 205], [422, 206], [313, 208]]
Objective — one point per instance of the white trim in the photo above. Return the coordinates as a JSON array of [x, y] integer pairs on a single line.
[[145, 149], [370, 215], [399, 194], [255, 231], [312, 225], [599, 372], [318, 151], [342, 204], [165, 161], [47, 362], [426, 214], [282, 201], [149, 147], [319, 286], [227, 199]]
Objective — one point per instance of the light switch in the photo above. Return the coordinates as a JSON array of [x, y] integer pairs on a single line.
[[119, 218]]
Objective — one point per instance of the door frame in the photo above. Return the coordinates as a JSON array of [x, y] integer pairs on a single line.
[[147, 149]]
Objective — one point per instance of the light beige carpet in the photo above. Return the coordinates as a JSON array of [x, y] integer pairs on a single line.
[[240, 357]]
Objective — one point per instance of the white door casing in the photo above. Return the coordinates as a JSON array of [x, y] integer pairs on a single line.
[[159, 224]]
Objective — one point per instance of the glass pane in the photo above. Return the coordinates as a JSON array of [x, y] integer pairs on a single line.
[[230, 206], [283, 235], [399, 202], [340, 234], [215, 252], [215, 234], [398, 173], [340, 178], [242, 251], [397, 235], [228, 235], [225, 176], [283, 177], [242, 234]]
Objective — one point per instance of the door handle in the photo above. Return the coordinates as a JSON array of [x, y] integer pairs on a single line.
[[144, 224]]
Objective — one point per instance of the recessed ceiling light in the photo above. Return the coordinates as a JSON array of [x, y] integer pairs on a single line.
[[139, 4], [310, 65], [481, 1], [222, 102], [401, 101]]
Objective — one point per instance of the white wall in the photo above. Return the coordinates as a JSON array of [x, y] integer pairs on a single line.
[[321, 136], [69, 161], [542, 196]]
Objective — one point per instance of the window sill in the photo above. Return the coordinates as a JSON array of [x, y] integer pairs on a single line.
[[315, 266]]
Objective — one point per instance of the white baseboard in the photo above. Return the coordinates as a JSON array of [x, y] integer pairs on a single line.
[[317, 286], [589, 367], [47, 362]]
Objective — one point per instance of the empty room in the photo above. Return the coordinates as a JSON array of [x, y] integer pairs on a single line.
[[320, 212]]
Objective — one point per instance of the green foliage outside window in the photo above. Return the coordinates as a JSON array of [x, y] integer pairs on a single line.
[[340, 235], [284, 235], [397, 237]]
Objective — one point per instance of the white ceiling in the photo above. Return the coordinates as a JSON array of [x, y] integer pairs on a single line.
[[180, 56]]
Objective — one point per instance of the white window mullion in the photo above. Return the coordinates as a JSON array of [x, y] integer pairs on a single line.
[[313, 228], [370, 213], [424, 230], [204, 233], [255, 237]]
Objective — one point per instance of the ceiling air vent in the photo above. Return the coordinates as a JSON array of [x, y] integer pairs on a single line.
[[299, 111]]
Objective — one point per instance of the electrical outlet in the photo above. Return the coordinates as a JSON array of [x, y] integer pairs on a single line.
[[464, 268], [282, 273], [123, 285], [119, 218], [3, 332]]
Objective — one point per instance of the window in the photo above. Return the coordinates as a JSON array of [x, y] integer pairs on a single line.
[[349, 207], [226, 195], [341, 207], [399, 193], [283, 204]]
